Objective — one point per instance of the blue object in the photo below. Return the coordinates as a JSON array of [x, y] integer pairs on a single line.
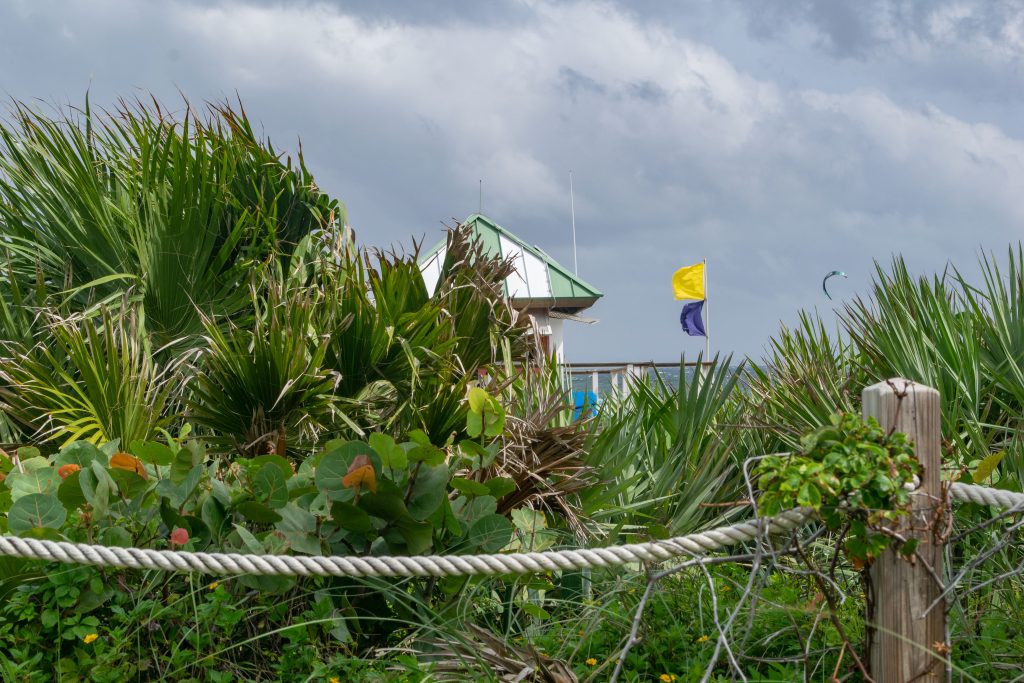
[[584, 403], [691, 320]]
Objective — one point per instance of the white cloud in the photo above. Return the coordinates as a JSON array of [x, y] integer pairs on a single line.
[[678, 153], [496, 92], [961, 163]]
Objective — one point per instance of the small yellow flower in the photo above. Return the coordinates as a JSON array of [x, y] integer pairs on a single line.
[[726, 587], [213, 586], [703, 639], [581, 634], [335, 680], [667, 678], [89, 638], [591, 662]]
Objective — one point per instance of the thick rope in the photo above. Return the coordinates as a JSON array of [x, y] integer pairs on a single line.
[[413, 565], [442, 565], [985, 495]]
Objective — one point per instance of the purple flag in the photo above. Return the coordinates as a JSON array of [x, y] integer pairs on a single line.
[[691, 320]]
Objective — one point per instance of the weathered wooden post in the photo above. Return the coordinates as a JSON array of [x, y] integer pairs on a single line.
[[905, 645]]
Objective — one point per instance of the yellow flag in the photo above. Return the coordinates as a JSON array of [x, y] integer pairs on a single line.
[[688, 282]]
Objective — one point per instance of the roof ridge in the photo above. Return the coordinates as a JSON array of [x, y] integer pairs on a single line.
[[571, 283], [550, 260]]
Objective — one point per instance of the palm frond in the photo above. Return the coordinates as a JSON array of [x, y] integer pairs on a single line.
[[666, 453], [94, 379]]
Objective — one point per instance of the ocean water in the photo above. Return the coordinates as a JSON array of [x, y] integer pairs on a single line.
[[670, 376]]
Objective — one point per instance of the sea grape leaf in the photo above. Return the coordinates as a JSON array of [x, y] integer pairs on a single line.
[[418, 536], [124, 461], [250, 544], [334, 466], [469, 511], [34, 511], [490, 533], [500, 487], [392, 456], [360, 475], [152, 452], [386, 506], [70, 492], [428, 455], [33, 463], [42, 480], [470, 487], [128, 483], [429, 489], [348, 516], [258, 512], [270, 486], [193, 454], [485, 416], [80, 453], [282, 464], [213, 515]]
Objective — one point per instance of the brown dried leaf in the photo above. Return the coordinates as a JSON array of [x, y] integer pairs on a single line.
[[124, 461], [360, 474]]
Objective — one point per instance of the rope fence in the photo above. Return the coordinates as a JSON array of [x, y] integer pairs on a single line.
[[443, 565]]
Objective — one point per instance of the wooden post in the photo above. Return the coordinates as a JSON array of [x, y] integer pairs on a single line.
[[594, 383], [904, 646]]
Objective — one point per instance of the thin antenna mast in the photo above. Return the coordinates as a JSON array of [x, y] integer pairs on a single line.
[[572, 208], [481, 196]]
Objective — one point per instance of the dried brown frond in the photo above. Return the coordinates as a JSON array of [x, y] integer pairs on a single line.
[[483, 655], [545, 461]]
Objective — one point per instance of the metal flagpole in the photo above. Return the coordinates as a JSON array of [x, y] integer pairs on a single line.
[[572, 206], [707, 316]]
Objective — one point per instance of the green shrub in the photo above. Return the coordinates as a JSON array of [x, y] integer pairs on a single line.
[[857, 477]]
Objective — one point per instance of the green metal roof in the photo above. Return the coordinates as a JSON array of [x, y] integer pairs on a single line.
[[563, 289]]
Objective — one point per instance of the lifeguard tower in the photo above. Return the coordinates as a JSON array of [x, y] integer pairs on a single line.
[[539, 287]]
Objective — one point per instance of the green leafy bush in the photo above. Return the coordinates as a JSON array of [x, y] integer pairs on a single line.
[[857, 477], [377, 496]]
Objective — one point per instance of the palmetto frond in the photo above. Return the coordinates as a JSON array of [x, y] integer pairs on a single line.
[[182, 210], [263, 384], [95, 378], [664, 453]]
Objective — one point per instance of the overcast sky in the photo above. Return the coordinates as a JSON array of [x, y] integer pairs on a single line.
[[779, 139]]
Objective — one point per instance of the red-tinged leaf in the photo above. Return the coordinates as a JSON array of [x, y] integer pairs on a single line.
[[179, 536], [66, 471], [360, 474], [124, 461]]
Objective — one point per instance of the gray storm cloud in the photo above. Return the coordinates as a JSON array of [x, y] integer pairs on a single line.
[[778, 140]]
